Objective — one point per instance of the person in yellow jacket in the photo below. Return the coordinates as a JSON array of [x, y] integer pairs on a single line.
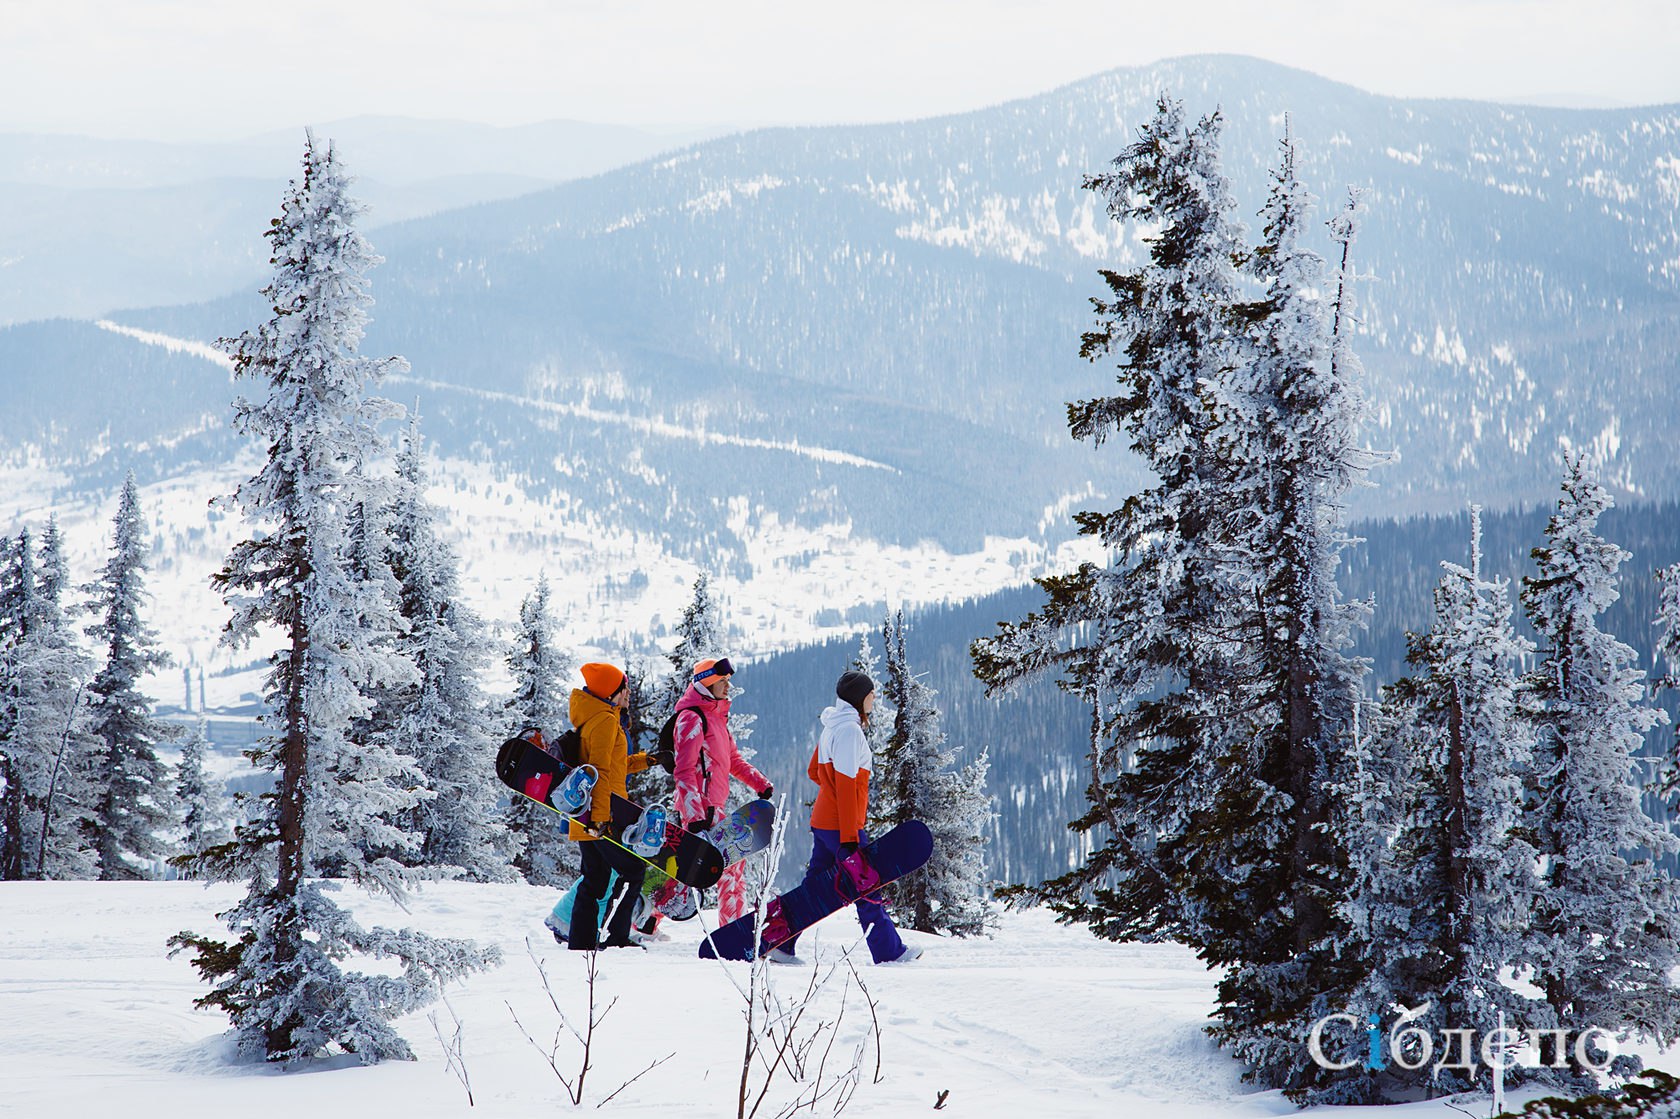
[[598, 714]]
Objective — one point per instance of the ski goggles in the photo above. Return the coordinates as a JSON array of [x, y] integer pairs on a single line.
[[719, 667]]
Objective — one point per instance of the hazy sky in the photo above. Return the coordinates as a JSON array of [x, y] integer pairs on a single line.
[[183, 69]]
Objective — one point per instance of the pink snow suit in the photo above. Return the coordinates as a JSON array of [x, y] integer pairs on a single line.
[[706, 759]]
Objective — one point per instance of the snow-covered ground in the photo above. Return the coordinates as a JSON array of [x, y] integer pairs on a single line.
[[1039, 1020]]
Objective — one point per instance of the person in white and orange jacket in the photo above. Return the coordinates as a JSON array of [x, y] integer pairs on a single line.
[[706, 758], [840, 767]]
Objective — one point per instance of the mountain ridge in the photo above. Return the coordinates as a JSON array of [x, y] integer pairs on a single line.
[[912, 295]]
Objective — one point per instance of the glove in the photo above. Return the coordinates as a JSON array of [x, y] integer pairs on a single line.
[[666, 760], [705, 823], [847, 850], [769, 791]]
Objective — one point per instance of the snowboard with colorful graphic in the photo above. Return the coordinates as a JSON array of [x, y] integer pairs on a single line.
[[543, 779], [901, 851], [744, 832], [683, 855]]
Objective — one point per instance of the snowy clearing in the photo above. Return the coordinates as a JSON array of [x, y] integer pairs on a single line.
[[1040, 1020]]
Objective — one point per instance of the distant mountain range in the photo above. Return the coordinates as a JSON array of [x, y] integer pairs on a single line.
[[836, 359], [90, 225]]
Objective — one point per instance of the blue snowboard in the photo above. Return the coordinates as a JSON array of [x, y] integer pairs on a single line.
[[899, 852]]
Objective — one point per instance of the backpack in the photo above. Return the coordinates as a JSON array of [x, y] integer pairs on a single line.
[[668, 739], [568, 747]]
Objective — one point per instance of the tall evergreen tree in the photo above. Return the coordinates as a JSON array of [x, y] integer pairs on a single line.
[[202, 799], [134, 803], [541, 672], [1212, 649], [440, 718], [16, 584], [880, 729], [1607, 929], [699, 635], [1288, 415], [914, 779], [280, 981], [1668, 651], [46, 828], [1145, 647], [1450, 899]]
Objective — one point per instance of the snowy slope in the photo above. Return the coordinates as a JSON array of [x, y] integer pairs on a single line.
[[1041, 1020]]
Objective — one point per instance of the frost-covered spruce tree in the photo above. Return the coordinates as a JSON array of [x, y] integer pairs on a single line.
[[1607, 927], [17, 586], [1212, 649], [202, 799], [134, 803], [541, 673], [1668, 649], [915, 773], [880, 729], [442, 718], [439, 719], [1288, 417], [1144, 648], [1451, 905], [699, 635], [280, 979], [46, 828]]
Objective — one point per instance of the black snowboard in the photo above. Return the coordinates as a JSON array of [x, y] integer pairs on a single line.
[[533, 773]]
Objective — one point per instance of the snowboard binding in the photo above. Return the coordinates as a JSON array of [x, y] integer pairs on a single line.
[[776, 928], [856, 877], [646, 837], [571, 796]]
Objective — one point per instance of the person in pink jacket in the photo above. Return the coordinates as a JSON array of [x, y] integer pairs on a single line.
[[706, 758]]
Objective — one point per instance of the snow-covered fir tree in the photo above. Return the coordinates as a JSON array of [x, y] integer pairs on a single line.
[[699, 635], [440, 719], [1212, 647], [1607, 922], [1140, 624], [643, 719], [914, 779], [1668, 653], [1288, 417], [542, 673], [880, 729], [280, 979], [135, 803], [17, 587], [1448, 898], [46, 826], [202, 800]]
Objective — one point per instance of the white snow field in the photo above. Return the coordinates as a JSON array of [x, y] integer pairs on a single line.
[[1042, 1020]]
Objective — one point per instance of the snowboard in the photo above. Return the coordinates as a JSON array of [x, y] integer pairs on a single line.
[[687, 857], [899, 852], [744, 832], [533, 773]]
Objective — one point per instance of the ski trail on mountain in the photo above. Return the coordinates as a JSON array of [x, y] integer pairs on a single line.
[[642, 424], [653, 427]]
